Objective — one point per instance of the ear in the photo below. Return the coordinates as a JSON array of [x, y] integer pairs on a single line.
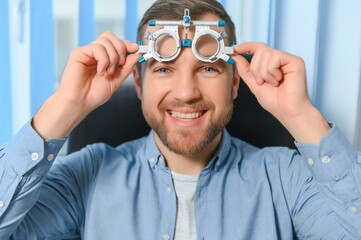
[[236, 81], [137, 82]]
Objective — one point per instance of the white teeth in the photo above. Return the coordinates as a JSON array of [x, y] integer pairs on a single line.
[[186, 115]]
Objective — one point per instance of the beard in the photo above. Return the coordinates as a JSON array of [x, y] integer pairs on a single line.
[[184, 141]]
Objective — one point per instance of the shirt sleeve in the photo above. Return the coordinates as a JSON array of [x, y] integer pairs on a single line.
[[335, 168], [24, 164]]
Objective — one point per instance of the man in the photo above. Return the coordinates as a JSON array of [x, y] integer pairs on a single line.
[[188, 179]]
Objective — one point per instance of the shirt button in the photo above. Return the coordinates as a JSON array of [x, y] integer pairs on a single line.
[[50, 157], [34, 156], [325, 159], [169, 189], [166, 236], [310, 161], [353, 209], [1, 204]]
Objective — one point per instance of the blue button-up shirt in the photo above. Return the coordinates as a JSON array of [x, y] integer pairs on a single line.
[[127, 192]]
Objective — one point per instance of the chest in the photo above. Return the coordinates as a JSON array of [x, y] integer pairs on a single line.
[[145, 207]]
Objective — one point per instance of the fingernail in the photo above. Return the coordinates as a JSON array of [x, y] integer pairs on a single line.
[[111, 69]]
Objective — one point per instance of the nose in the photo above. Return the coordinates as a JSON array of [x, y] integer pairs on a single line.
[[186, 87]]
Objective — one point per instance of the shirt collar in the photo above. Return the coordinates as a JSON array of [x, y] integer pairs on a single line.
[[153, 154], [220, 156]]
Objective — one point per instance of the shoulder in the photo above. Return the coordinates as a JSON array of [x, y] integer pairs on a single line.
[[280, 167], [267, 157], [128, 151], [100, 155]]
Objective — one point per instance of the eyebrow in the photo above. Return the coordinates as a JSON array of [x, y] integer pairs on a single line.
[[220, 62], [151, 62]]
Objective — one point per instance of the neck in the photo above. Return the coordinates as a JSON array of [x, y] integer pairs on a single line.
[[188, 164]]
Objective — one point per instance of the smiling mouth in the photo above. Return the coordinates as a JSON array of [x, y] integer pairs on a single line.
[[186, 116]]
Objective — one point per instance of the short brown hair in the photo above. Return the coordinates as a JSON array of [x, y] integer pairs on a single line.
[[174, 10]]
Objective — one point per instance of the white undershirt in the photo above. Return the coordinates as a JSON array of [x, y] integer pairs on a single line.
[[185, 187]]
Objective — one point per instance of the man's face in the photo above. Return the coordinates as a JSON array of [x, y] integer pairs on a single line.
[[187, 102]]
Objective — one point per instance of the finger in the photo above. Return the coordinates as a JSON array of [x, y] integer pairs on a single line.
[[131, 47], [118, 45], [243, 68], [123, 47], [255, 67], [249, 47], [256, 48], [111, 51], [262, 55], [264, 68], [123, 71], [274, 70], [93, 54]]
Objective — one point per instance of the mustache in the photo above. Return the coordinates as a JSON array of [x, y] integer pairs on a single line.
[[199, 105]]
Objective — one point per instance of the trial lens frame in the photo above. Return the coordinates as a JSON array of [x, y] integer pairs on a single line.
[[170, 29]]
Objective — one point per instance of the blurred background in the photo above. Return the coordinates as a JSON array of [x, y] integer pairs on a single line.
[[36, 37]]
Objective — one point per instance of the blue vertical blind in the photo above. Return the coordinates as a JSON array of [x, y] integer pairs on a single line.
[[131, 20], [42, 59], [5, 79], [326, 34], [86, 27]]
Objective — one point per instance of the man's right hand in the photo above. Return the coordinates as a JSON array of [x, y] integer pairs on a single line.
[[93, 73]]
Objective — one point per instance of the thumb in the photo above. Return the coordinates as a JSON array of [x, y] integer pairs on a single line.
[[123, 71], [243, 68]]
